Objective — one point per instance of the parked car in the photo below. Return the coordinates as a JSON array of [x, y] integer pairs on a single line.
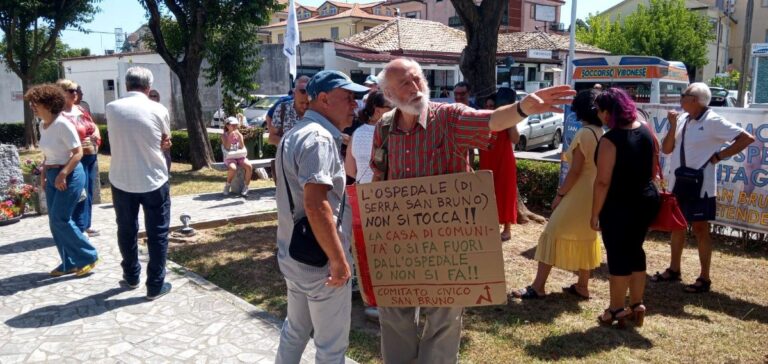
[[256, 112], [734, 96], [540, 129], [719, 97]]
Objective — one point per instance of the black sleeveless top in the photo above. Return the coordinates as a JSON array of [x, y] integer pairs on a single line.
[[633, 171]]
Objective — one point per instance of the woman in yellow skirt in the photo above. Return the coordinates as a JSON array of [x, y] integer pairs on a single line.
[[568, 242]]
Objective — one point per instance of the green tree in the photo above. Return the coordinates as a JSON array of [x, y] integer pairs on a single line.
[[665, 28], [27, 47], [729, 82], [185, 32], [50, 68]]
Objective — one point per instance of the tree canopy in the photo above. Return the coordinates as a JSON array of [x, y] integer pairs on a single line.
[[665, 28], [31, 29], [224, 33]]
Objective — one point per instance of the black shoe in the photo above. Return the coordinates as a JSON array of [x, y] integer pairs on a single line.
[[163, 291], [126, 284]]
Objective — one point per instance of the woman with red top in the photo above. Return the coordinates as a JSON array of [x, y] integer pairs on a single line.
[[500, 159], [90, 139]]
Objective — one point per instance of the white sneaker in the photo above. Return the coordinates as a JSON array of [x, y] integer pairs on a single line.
[[226, 189], [244, 192]]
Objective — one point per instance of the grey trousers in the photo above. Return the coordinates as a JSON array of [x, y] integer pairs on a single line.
[[315, 307], [439, 343]]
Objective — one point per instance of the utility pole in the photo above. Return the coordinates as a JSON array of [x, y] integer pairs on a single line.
[[746, 52], [571, 47]]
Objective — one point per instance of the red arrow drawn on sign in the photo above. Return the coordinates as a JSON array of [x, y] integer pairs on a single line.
[[486, 297]]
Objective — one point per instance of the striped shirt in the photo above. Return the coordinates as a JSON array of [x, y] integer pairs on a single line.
[[441, 148]]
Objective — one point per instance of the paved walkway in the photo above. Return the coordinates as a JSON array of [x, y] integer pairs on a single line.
[[92, 319]]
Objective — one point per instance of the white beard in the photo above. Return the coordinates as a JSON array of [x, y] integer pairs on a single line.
[[412, 107]]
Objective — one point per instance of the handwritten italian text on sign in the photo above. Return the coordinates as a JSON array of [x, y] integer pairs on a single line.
[[429, 241]]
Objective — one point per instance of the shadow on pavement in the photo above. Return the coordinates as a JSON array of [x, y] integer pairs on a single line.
[[12, 285], [26, 246], [86, 307]]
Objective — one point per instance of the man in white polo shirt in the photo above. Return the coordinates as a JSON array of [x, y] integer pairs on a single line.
[[138, 132], [697, 141]]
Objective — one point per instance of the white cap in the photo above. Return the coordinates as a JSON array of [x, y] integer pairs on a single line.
[[232, 121]]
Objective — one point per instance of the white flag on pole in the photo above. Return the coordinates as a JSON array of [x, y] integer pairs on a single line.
[[291, 40]]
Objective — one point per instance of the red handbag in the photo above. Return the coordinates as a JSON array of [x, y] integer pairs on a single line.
[[669, 218]]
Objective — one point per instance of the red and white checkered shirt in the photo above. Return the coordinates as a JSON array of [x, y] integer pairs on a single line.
[[439, 149]]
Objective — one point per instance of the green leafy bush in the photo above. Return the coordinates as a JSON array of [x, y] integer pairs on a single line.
[[180, 146], [104, 148], [537, 182], [12, 133], [268, 151]]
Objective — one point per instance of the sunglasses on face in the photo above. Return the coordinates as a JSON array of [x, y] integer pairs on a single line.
[[72, 91]]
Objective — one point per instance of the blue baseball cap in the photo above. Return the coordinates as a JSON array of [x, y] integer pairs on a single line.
[[371, 79], [325, 81]]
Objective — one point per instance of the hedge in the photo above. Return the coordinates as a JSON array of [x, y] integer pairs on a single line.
[[537, 182], [12, 133]]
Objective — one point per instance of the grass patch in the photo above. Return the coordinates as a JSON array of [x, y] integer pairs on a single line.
[[729, 324], [184, 181]]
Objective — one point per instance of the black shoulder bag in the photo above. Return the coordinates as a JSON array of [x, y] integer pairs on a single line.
[[304, 247], [688, 181]]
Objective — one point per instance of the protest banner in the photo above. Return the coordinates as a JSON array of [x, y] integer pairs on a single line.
[[742, 180], [428, 241], [571, 126]]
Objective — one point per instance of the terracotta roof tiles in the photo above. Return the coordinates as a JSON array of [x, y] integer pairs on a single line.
[[417, 35]]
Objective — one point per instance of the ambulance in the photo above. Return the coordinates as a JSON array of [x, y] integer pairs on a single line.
[[647, 79]]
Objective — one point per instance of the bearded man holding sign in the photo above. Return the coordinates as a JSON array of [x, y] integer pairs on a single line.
[[430, 139]]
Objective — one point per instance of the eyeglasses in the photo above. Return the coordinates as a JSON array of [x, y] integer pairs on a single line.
[[684, 94], [72, 91]]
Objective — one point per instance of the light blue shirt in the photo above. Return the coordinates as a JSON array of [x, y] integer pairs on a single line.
[[308, 153]]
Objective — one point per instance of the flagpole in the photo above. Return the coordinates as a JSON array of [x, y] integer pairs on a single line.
[[291, 40]]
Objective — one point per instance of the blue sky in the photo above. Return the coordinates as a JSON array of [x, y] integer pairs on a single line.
[[129, 15]]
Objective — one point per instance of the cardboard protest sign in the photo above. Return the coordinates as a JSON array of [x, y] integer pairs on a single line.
[[429, 241]]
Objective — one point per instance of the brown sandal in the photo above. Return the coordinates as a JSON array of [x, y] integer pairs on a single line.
[[672, 276], [638, 313], [620, 321]]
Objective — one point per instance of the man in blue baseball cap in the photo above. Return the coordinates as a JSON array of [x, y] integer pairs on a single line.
[[310, 182]]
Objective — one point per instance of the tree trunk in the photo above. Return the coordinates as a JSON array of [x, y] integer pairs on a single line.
[[524, 215], [200, 152], [478, 62], [30, 132]]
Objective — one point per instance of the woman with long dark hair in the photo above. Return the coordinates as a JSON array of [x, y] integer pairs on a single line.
[[358, 158], [567, 241]]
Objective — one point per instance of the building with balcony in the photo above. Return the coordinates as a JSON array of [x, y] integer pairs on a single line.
[[331, 20]]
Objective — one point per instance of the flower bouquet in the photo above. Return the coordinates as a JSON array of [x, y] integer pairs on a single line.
[[13, 203], [33, 167]]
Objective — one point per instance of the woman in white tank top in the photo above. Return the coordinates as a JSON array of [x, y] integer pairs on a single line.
[[357, 163]]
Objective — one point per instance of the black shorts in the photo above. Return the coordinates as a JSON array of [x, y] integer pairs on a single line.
[[701, 209]]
